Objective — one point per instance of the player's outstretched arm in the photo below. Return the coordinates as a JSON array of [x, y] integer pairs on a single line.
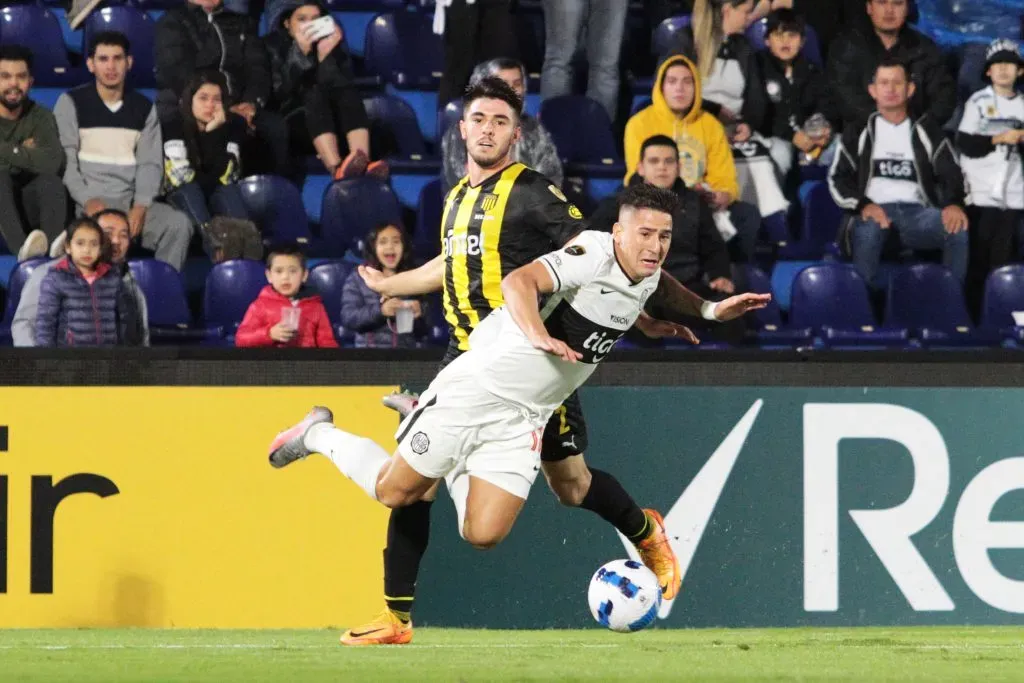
[[522, 289], [671, 294], [423, 280]]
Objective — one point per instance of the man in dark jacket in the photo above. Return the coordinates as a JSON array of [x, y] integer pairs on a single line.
[[31, 157], [898, 172], [697, 257], [203, 35], [855, 54]]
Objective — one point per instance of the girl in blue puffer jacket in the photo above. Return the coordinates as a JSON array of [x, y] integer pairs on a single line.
[[80, 303]]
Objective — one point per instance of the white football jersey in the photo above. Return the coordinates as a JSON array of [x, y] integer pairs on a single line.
[[593, 305]]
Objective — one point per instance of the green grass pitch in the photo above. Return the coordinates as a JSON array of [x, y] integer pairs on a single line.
[[867, 654]]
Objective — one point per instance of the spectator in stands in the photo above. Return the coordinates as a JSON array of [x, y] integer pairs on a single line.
[[535, 148], [111, 139], [114, 224], [474, 31], [376, 324], [315, 89], [726, 63], [899, 174], [795, 92], [286, 313], [989, 139], [31, 192], [857, 52], [82, 301], [826, 17], [564, 20], [203, 35], [705, 158], [697, 256], [201, 153]]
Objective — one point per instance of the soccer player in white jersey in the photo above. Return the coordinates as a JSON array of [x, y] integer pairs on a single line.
[[479, 423]]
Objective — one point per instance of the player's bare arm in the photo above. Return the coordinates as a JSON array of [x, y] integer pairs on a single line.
[[423, 280], [671, 294], [522, 289]]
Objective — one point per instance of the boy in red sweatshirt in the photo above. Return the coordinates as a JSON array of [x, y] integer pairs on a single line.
[[285, 313]]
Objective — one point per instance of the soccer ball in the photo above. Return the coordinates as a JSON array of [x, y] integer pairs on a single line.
[[624, 596]]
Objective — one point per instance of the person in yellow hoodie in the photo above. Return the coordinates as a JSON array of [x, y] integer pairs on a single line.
[[705, 156]]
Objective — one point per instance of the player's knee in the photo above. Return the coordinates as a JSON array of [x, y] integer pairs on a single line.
[[396, 498], [483, 539]]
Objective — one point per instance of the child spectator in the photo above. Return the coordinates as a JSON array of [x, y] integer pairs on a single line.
[[313, 86], [82, 301], [795, 90], [286, 314], [394, 323], [989, 140], [201, 153]]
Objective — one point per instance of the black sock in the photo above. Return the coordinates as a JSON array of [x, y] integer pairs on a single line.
[[607, 498], [408, 535]]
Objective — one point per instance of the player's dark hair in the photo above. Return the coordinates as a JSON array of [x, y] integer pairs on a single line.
[[492, 88], [370, 248], [891, 63], [644, 196], [657, 141], [16, 53], [785, 21], [293, 250], [115, 38]]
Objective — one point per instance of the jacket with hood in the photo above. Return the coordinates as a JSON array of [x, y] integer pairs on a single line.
[[735, 48], [314, 326], [705, 155], [791, 102], [938, 171], [697, 248]]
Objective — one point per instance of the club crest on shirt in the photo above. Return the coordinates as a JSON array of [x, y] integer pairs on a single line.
[[420, 443], [558, 193], [774, 90], [574, 212], [490, 201], [575, 250]]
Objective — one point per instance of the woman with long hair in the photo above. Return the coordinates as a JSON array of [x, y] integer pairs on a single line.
[[201, 153]]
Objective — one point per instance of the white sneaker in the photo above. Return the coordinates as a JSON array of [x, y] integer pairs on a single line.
[[57, 248], [35, 245], [80, 10]]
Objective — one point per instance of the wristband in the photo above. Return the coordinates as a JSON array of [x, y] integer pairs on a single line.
[[707, 310]]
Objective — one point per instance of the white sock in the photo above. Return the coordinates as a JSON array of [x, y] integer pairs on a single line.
[[458, 489], [358, 458]]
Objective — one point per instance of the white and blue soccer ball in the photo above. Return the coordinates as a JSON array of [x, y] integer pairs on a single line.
[[624, 596]]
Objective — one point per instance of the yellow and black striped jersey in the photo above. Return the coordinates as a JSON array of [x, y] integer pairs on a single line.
[[509, 220]]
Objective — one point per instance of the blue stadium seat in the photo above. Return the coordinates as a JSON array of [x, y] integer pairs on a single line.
[[821, 219], [230, 287], [926, 298], [402, 49], [355, 15], [756, 33], [141, 31], [170, 321], [313, 190], [328, 279], [833, 299], [394, 133], [426, 243], [15, 284], [438, 328], [37, 28], [665, 32], [1004, 295], [352, 208], [582, 133], [149, 5], [768, 328], [275, 205], [447, 116]]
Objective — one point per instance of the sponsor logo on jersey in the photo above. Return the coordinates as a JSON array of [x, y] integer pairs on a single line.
[[457, 245], [619, 320], [574, 212], [575, 250]]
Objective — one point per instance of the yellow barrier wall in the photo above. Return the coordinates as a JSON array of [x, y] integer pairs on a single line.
[[203, 532]]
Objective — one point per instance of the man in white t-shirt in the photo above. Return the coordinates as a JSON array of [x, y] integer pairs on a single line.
[[479, 424], [899, 173]]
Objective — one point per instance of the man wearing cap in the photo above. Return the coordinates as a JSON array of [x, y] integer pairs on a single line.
[[989, 140]]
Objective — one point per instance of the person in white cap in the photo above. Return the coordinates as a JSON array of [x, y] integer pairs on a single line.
[[989, 140]]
